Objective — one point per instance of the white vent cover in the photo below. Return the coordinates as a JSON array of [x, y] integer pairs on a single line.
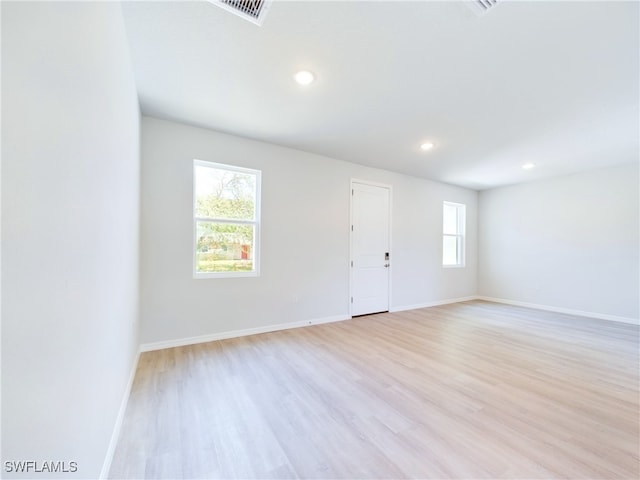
[[252, 10], [480, 7]]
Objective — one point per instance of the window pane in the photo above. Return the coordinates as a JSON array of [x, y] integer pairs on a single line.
[[449, 250], [224, 194], [224, 247], [450, 219]]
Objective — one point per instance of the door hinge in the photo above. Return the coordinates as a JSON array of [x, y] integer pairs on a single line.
[[351, 299], [352, 263], [352, 192], [352, 228]]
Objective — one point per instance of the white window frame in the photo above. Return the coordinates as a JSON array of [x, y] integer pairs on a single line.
[[255, 222], [460, 234]]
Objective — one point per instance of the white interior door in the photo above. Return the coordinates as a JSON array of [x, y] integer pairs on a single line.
[[369, 248]]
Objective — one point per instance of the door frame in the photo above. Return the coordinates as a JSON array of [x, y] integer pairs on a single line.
[[391, 257]]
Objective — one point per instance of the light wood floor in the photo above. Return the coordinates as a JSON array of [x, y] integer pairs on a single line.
[[470, 390]]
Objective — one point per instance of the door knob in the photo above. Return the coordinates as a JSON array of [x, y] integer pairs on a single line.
[[386, 265]]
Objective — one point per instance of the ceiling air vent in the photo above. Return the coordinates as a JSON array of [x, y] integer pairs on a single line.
[[252, 10], [480, 7]]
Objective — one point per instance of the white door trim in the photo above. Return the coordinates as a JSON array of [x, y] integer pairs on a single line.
[[374, 184]]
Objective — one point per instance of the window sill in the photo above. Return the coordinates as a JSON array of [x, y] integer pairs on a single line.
[[204, 276]]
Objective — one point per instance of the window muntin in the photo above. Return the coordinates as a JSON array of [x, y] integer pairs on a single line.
[[226, 206], [453, 233]]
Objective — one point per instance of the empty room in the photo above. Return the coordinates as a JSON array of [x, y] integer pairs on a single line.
[[247, 239]]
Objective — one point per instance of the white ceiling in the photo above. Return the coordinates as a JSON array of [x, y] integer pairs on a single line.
[[553, 83]]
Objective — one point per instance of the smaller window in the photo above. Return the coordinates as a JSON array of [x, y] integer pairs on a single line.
[[226, 220], [453, 227]]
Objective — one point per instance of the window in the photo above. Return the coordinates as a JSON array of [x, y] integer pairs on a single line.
[[226, 220], [453, 222]]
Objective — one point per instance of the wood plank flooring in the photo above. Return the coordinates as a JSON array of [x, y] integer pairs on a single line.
[[469, 390]]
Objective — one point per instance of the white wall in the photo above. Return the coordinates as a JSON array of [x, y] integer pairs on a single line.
[[305, 237], [70, 223], [571, 242]]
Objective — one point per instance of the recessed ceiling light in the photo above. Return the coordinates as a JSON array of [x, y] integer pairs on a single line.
[[528, 166], [427, 146], [304, 77]]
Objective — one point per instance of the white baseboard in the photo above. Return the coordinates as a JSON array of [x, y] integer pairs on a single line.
[[432, 304], [115, 435], [568, 311], [147, 347]]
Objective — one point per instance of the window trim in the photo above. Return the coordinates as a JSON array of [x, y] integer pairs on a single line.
[[460, 236], [255, 222]]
